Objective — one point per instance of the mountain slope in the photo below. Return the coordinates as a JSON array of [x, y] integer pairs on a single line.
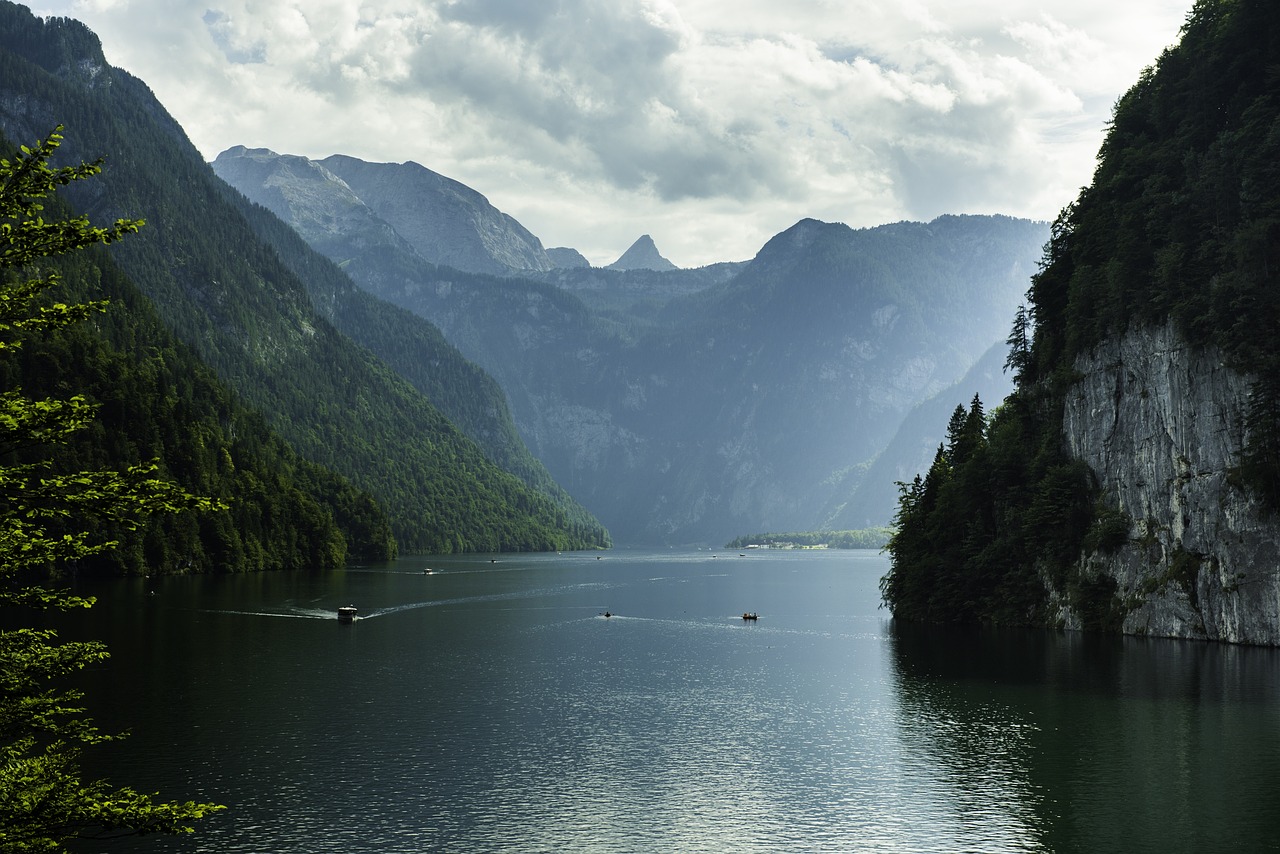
[[418, 352], [872, 500], [157, 402], [229, 297]]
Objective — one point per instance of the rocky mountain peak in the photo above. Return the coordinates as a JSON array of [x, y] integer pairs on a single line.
[[643, 255]]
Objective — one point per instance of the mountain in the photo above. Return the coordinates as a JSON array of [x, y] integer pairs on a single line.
[[690, 405], [419, 211], [334, 213], [444, 221], [1131, 483], [228, 296], [563, 257], [642, 255]]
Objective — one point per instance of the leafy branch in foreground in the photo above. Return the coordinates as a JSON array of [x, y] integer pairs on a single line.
[[44, 803]]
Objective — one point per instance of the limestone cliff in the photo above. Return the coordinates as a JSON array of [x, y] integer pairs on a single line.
[[1161, 424]]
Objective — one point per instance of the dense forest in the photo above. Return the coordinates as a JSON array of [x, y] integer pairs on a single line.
[[245, 314], [155, 401], [1181, 224], [417, 351]]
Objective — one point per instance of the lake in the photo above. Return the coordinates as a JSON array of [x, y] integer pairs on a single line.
[[491, 706]]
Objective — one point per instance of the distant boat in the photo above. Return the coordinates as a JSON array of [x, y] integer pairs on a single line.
[[751, 616], [346, 613]]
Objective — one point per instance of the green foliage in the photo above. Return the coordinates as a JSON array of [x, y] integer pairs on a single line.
[[44, 503], [1109, 531], [1096, 600], [418, 352], [145, 400], [999, 506]]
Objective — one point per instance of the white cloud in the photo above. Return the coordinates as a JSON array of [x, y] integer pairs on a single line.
[[710, 124]]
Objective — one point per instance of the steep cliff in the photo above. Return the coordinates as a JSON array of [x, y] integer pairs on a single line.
[[1131, 483], [1160, 422]]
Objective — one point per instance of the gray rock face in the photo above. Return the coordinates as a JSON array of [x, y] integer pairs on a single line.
[[404, 207], [1161, 424], [445, 221], [318, 204]]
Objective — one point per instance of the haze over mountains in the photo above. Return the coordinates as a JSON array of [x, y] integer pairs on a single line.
[[689, 405], [675, 406]]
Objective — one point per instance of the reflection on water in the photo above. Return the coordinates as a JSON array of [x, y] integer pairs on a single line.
[[492, 707], [1094, 743]]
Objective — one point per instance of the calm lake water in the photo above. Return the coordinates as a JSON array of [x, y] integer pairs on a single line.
[[492, 707]]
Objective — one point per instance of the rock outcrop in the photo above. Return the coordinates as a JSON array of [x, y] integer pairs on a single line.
[[1161, 424]]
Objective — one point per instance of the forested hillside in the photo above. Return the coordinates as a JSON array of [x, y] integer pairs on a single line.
[[230, 298], [1181, 225], [157, 402], [417, 351]]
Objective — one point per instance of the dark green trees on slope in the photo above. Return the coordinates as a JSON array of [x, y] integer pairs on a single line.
[[245, 314], [155, 401], [417, 351], [1181, 223]]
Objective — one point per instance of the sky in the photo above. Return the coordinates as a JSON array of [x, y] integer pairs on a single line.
[[710, 125]]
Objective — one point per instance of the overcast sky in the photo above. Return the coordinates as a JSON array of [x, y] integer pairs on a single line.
[[709, 124]]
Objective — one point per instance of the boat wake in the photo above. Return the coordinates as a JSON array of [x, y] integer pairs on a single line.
[[316, 613], [300, 614]]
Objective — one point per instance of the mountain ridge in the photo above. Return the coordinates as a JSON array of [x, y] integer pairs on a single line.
[[613, 385], [227, 295]]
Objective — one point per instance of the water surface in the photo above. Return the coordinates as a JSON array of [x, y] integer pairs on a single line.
[[490, 706]]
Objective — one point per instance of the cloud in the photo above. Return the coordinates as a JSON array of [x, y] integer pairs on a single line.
[[710, 124]]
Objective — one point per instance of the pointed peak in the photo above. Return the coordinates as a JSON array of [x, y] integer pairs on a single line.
[[643, 255]]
